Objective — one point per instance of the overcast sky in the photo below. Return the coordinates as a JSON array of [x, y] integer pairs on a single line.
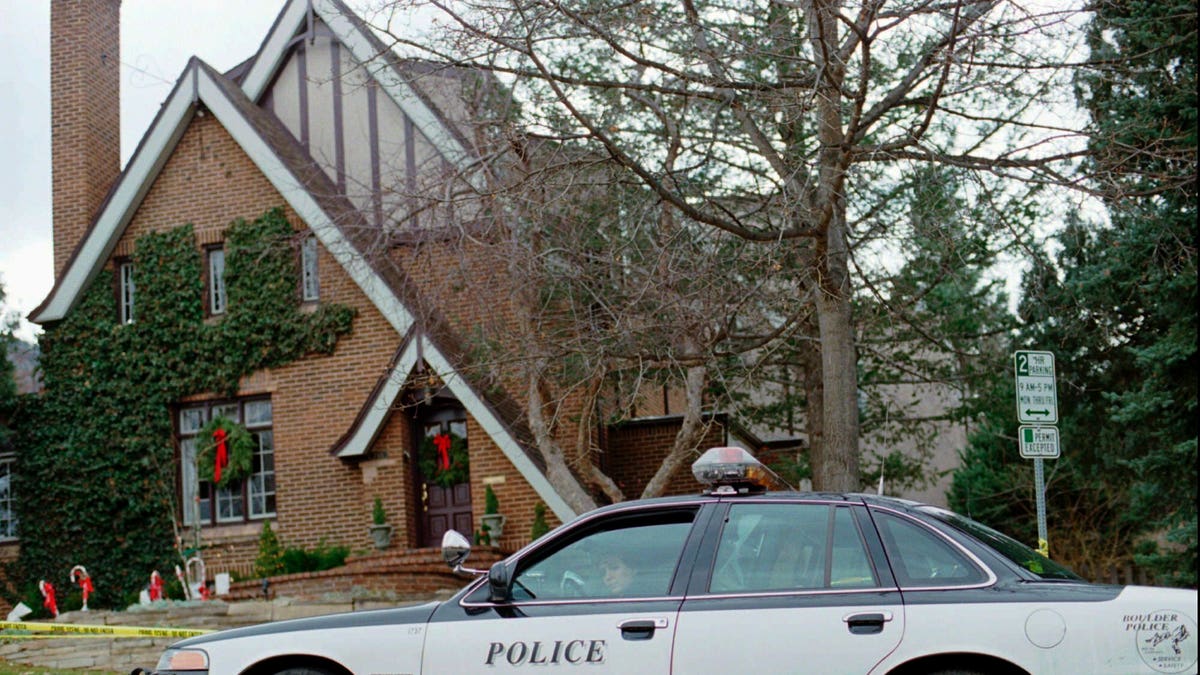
[[157, 38]]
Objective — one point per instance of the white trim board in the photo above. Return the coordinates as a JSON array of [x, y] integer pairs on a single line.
[[385, 397], [496, 430], [135, 181], [299, 198], [291, 20]]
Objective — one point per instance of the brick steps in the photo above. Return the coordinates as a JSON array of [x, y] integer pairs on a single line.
[[387, 576]]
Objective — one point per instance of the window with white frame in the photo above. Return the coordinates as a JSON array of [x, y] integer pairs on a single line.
[[217, 300], [311, 286], [125, 291], [248, 499], [8, 514]]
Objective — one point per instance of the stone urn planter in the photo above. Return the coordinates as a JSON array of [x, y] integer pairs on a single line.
[[381, 532], [494, 522], [381, 535]]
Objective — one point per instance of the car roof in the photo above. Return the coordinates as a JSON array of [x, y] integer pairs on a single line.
[[851, 497]]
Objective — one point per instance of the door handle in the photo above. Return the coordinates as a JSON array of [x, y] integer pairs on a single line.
[[640, 629], [867, 623]]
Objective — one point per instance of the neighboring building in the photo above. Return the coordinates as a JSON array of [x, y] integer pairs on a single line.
[[341, 146]]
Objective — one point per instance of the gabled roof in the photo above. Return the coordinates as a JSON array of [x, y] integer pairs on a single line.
[[294, 23], [333, 219]]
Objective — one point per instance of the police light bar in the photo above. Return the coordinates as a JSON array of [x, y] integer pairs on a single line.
[[731, 470]]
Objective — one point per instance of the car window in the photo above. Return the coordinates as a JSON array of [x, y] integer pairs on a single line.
[[790, 547], [920, 557], [1005, 545], [627, 558]]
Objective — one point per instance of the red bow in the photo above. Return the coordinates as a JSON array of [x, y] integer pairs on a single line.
[[85, 585], [442, 443], [222, 459]]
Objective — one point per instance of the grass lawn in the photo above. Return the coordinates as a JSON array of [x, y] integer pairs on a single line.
[[7, 668]]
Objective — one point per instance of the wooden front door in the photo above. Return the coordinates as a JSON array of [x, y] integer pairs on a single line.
[[443, 506]]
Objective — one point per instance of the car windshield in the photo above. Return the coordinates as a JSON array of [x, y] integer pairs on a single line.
[[1005, 545]]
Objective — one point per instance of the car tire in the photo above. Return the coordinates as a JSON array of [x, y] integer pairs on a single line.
[[956, 671], [303, 670]]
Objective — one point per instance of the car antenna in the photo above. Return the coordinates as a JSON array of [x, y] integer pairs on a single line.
[[880, 490]]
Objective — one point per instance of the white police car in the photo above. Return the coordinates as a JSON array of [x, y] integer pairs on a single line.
[[742, 580]]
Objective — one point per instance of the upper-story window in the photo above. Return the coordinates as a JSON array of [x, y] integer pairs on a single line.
[[310, 284], [8, 514], [125, 291], [247, 499], [217, 301]]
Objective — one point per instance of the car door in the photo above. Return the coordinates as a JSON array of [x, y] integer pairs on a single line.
[[786, 587], [604, 595]]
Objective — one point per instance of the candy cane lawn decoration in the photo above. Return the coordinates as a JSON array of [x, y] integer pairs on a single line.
[[48, 600], [80, 576], [201, 588], [187, 592], [156, 586]]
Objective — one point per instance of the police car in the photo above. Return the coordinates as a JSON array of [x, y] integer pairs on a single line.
[[741, 579]]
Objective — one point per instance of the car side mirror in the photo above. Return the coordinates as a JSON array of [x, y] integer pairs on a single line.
[[455, 548], [500, 582]]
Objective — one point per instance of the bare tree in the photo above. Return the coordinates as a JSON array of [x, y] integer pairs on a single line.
[[776, 122], [611, 295]]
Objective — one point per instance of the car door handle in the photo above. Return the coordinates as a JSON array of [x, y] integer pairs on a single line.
[[640, 629], [867, 623]]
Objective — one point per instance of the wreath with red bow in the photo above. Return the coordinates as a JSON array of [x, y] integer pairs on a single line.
[[443, 459], [224, 451]]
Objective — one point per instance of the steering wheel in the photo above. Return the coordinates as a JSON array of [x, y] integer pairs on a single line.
[[571, 585]]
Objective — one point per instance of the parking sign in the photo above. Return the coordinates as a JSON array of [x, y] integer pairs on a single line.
[[1037, 399], [1039, 442]]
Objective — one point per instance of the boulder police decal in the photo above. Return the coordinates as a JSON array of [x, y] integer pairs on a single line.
[[1166, 639], [537, 653]]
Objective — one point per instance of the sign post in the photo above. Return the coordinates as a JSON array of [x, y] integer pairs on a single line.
[[1037, 412]]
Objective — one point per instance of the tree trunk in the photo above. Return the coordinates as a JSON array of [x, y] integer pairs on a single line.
[[814, 399], [557, 471], [837, 469], [687, 437]]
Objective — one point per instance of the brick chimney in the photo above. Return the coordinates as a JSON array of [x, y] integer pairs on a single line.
[[85, 102]]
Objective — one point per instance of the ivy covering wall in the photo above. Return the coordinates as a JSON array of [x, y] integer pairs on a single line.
[[96, 475]]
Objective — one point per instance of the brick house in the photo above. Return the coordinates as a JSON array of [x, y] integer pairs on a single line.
[[317, 123]]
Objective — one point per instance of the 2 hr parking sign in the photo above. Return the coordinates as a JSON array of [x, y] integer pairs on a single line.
[[1037, 398]]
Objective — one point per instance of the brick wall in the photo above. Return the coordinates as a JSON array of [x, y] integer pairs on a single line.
[[208, 181], [85, 102], [468, 283], [637, 449]]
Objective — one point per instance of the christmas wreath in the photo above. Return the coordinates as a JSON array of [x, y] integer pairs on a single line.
[[224, 451], [443, 459]]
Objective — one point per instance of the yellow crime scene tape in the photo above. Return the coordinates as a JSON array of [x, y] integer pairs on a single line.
[[66, 630]]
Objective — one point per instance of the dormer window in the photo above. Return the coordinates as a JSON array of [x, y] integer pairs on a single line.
[[217, 300], [125, 291], [310, 284]]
